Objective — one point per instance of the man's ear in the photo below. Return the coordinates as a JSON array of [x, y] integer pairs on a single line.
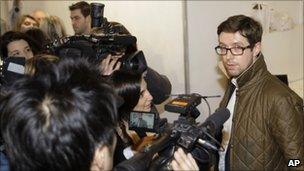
[[257, 49]]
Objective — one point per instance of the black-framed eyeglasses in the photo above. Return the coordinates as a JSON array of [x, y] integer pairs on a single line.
[[234, 50]]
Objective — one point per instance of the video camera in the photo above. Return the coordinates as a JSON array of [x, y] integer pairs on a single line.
[[185, 133], [113, 39]]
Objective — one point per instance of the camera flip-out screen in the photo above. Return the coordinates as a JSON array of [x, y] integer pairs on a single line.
[[145, 121]]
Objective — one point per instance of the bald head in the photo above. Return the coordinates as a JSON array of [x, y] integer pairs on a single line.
[[38, 15]]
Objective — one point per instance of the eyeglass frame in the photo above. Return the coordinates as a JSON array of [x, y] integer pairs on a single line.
[[229, 49]]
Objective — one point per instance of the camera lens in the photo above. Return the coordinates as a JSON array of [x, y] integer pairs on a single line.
[[97, 14], [135, 62]]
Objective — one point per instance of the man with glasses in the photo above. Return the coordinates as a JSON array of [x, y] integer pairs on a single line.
[[265, 129]]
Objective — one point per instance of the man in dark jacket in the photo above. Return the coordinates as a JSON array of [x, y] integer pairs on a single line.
[[265, 129]]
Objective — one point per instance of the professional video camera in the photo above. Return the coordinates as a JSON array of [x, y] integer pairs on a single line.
[[185, 133], [111, 39]]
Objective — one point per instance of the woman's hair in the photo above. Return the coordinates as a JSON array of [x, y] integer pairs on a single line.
[[12, 36], [127, 85], [21, 20], [38, 36], [53, 27], [38, 63]]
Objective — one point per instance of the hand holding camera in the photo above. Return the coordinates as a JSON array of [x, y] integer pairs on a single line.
[[110, 64], [183, 161]]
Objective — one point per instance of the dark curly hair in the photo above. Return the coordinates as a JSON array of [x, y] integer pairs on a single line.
[[12, 36]]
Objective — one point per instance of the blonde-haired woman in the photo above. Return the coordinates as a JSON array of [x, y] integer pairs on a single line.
[[25, 23], [53, 27]]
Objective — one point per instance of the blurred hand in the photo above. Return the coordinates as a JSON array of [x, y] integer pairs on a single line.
[[182, 161], [142, 143], [108, 64]]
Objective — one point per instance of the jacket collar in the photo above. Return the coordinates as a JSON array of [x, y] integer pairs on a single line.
[[253, 73]]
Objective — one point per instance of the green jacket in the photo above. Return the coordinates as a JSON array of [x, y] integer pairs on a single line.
[[268, 122]]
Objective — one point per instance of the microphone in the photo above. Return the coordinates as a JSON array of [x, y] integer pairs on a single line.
[[212, 125], [207, 145], [215, 121]]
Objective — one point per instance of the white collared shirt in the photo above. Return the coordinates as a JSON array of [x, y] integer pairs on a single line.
[[226, 132]]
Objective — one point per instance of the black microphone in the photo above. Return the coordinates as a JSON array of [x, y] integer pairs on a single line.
[[207, 144], [215, 121], [212, 125]]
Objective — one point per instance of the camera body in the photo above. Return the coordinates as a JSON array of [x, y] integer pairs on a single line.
[[187, 132], [96, 48], [185, 104], [113, 39], [184, 129], [144, 121], [195, 138]]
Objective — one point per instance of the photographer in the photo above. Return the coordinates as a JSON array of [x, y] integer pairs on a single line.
[[132, 87]]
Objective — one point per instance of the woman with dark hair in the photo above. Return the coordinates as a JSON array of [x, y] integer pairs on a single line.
[[133, 89], [18, 44], [39, 38]]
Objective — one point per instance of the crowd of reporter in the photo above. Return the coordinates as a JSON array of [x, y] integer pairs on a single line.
[[65, 113]]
